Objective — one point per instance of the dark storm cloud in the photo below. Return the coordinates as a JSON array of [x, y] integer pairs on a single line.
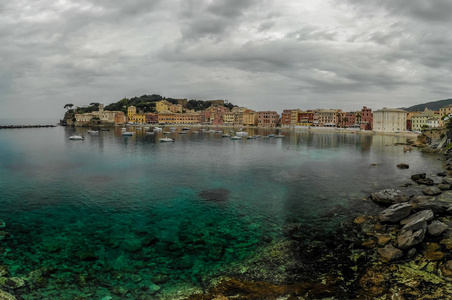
[[329, 53]]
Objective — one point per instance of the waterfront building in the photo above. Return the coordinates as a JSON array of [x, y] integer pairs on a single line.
[[166, 117], [105, 116], [151, 118], [163, 106], [433, 122], [443, 113], [187, 118], [229, 118], [120, 118], [267, 118], [327, 117], [389, 120], [250, 118], [131, 111], [286, 118], [347, 119], [305, 118], [366, 118], [419, 120]]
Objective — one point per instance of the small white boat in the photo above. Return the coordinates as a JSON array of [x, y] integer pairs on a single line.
[[123, 129], [241, 133], [172, 128], [271, 135], [145, 128], [226, 135], [166, 139], [185, 128], [157, 129], [128, 133], [76, 137], [167, 132], [279, 136], [250, 138], [218, 131], [236, 138], [257, 136], [93, 131]]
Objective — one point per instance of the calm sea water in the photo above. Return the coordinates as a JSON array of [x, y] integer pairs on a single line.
[[111, 214]]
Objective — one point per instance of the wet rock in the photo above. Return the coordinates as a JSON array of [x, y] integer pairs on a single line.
[[135, 278], [3, 235], [423, 215], [416, 177], [424, 202], [388, 197], [3, 271], [436, 228], [441, 174], [432, 191], [11, 283], [444, 187], [426, 181], [395, 212], [408, 239], [411, 252], [6, 296], [153, 288], [447, 180], [215, 195], [383, 239], [407, 184], [447, 269], [369, 244], [120, 291], [390, 253], [403, 166], [2, 224]]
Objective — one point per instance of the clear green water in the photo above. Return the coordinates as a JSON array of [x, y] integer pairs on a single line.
[[112, 214]]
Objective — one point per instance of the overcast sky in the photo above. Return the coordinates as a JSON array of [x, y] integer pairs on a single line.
[[255, 53]]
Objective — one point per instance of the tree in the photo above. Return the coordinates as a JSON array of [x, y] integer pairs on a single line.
[[69, 106]]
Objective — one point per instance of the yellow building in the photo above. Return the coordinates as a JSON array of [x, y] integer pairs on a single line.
[[419, 120], [250, 118], [444, 112], [131, 111], [176, 108], [138, 118], [229, 118], [163, 106], [166, 117]]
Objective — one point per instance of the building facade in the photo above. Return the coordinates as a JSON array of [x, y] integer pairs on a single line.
[[267, 119], [389, 120]]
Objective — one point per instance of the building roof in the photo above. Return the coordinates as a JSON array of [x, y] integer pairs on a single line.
[[384, 109]]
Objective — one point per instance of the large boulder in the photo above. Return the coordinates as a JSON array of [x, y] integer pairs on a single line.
[[438, 207], [395, 212], [408, 239], [390, 253], [436, 228], [417, 177], [388, 197], [444, 187], [432, 191], [447, 180], [403, 166]]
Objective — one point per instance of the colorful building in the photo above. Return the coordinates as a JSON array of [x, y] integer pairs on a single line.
[[162, 106], [419, 120], [267, 118], [366, 118], [151, 118], [443, 113], [166, 117], [250, 118]]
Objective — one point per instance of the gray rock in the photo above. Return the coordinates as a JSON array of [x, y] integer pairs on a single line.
[[403, 166], [390, 253], [417, 177], [408, 239], [437, 206], [414, 225], [447, 180], [423, 215], [444, 187], [411, 252], [395, 212], [436, 228], [432, 191], [442, 174], [388, 197], [426, 181]]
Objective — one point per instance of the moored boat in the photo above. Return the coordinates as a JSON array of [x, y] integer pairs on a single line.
[[128, 133], [166, 139], [93, 131], [279, 136], [226, 135], [236, 138], [157, 129], [241, 133], [76, 137]]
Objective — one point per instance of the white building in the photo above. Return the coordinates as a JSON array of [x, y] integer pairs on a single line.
[[389, 120], [433, 122]]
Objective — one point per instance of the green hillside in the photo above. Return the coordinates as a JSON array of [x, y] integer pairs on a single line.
[[434, 105]]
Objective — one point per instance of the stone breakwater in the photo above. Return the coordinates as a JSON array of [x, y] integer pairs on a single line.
[[25, 126]]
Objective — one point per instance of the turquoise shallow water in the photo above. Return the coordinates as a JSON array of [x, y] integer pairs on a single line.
[[115, 216]]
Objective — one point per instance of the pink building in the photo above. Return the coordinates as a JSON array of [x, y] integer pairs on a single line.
[[286, 117], [151, 118], [366, 118], [267, 118], [347, 119]]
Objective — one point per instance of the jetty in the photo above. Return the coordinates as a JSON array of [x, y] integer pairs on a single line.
[[25, 126]]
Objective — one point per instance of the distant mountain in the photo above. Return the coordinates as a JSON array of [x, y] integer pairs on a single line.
[[434, 105]]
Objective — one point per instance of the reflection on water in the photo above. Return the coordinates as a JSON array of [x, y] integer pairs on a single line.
[[113, 213]]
